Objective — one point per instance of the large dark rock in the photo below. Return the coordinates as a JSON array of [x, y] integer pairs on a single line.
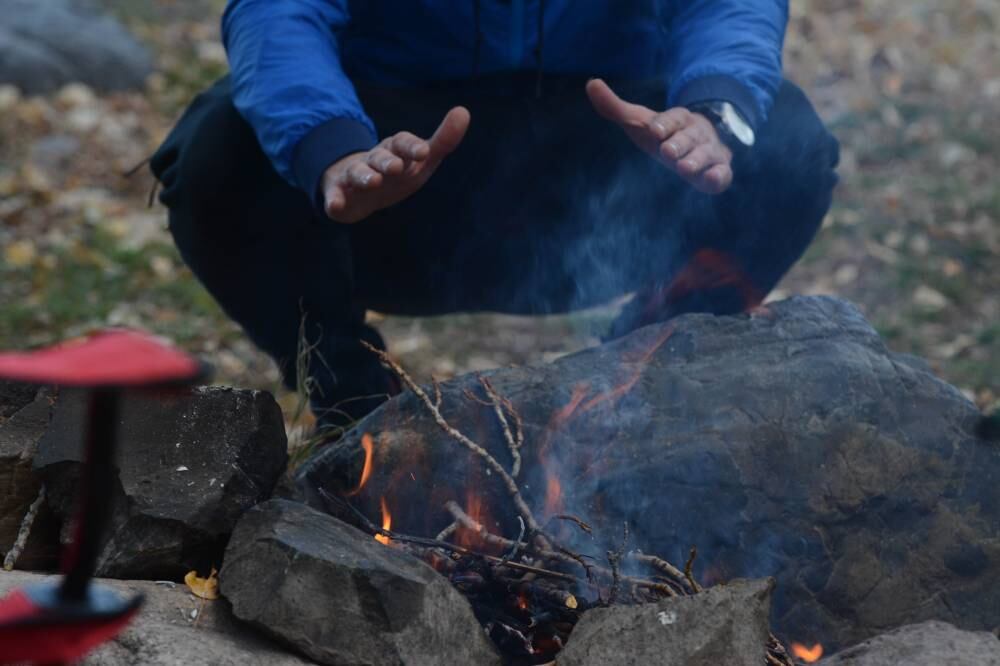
[[189, 465], [338, 596], [45, 45], [790, 443], [174, 627], [927, 644], [24, 416], [726, 624]]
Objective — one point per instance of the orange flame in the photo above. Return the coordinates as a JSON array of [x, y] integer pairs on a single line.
[[808, 655], [386, 524], [553, 495], [368, 444]]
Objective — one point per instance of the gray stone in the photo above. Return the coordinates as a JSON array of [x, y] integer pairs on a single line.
[[790, 443], [189, 465], [26, 420], [338, 596], [174, 628], [927, 644], [726, 624], [14, 396], [45, 45]]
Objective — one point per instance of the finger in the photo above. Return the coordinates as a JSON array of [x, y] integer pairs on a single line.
[[409, 146], [665, 124], [450, 133], [362, 176], [612, 107], [336, 200], [718, 179], [385, 162], [698, 160], [678, 146]]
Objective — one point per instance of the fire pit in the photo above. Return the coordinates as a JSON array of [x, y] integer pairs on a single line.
[[528, 590], [789, 443]]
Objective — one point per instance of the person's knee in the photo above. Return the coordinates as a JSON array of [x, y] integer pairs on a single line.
[[796, 151]]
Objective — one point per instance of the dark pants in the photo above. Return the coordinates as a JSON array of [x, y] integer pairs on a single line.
[[543, 208]]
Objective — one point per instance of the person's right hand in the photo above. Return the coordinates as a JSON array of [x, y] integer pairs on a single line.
[[361, 183]]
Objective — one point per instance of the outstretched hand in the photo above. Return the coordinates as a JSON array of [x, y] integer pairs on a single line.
[[361, 183], [686, 142]]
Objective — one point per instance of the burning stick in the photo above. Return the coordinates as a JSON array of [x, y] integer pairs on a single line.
[[491, 462], [465, 520]]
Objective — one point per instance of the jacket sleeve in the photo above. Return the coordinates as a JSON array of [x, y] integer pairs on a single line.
[[289, 84], [728, 50]]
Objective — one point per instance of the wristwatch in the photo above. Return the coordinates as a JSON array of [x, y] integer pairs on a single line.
[[728, 121]]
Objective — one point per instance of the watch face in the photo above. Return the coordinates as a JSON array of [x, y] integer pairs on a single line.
[[735, 123]]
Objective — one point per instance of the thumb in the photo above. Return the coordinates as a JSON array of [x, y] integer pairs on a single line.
[[612, 107], [450, 133]]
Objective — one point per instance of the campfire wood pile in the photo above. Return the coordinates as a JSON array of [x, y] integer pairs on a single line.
[[528, 590]]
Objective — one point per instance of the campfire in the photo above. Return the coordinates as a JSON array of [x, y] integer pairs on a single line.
[[528, 589]]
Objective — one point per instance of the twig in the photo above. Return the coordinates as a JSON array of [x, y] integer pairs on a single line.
[[660, 565], [615, 560], [471, 524], [688, 566], [579, 523], [446, 533], [512, 553], [24, 532], [499, 405], [491, 462], [437, 392]]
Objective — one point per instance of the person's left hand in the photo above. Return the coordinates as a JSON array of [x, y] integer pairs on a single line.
[[683, 140]]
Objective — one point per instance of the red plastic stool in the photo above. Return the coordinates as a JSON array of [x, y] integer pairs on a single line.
[[59, 622]]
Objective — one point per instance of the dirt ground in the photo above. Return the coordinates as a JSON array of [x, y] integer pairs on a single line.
[[912, 90]]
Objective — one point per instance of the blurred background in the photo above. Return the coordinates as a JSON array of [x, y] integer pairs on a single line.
[[911, 89]]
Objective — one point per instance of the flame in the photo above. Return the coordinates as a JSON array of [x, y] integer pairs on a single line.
[[522, 601], [368, 444], [553, 495], [386, 524], [808, 655], [708, 269]]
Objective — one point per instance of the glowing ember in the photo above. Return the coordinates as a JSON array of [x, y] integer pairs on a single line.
[[369, 446], [386, 524], [808, 655]]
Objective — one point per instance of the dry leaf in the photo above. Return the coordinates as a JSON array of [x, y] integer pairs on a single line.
[[206, 588], [20, 254]]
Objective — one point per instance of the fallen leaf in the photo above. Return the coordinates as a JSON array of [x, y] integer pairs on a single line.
[[20, 254], [206, 588]]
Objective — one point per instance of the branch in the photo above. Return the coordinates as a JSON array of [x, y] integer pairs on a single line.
[[513, 443]]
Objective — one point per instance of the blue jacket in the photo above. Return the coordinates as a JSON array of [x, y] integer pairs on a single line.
[[293, 61]]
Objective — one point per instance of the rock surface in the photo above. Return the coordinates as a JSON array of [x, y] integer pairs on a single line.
[[24, 415], [927, 644], [174, 628], [726, 624], [45, 45], [190, 464], [790, 443], [341, 598]]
